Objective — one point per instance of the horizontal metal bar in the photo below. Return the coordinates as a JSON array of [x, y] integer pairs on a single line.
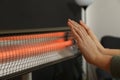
[[40, 30]]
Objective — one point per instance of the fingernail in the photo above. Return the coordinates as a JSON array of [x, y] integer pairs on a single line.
[[69, 19], [81, 21], [68, 23]]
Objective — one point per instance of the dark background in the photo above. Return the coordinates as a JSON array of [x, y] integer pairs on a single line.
[[30, 14]]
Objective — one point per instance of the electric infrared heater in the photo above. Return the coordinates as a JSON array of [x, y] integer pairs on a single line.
[[33, 34], [25, 51]]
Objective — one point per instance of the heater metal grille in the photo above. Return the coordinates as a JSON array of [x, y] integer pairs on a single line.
[[18, 53]]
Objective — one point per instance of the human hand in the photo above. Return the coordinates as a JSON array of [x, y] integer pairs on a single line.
[[93, 37], [85, 42], [89, 45], [102, 50]]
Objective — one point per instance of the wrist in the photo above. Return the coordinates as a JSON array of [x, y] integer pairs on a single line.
[[112, 51], [107, 51], [103, 62]]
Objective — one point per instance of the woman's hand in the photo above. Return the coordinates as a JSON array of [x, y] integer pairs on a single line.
[[98, 44], [88, 44]]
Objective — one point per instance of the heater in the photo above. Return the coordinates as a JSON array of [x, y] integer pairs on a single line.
[[34, 36], [26, 51]]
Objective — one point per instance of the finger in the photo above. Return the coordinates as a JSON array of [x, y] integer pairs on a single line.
[[89, 31], [72, 29], [78, 26], [78, 38], [74, 23], [84, 25], [91, 34], [80, 33], [80, 30], [76, 34], [69, 25]]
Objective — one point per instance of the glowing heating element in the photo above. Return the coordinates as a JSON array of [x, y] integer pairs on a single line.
[[28, 39], [18, 53], [31, 50]]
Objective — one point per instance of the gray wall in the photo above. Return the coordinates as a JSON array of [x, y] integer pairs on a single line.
[[103, 16]]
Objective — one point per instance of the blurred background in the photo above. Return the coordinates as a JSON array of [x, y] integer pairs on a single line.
[[102, 16]]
